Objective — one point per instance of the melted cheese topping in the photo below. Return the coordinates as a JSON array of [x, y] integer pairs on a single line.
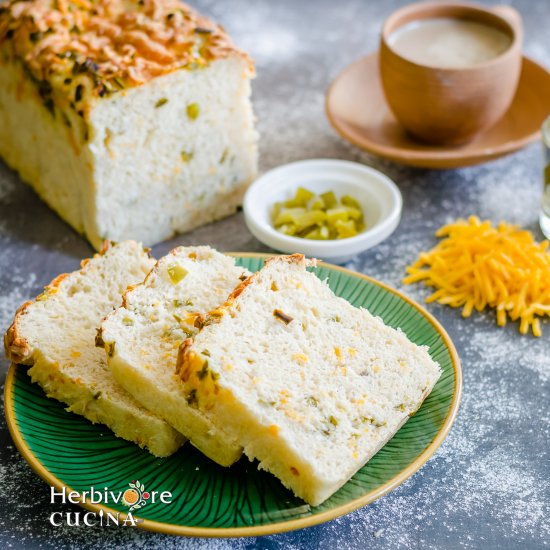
[[114, 44], [477, 265]]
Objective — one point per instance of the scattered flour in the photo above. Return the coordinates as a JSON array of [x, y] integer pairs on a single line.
[[497, 350], [509, 198], [275, 44], [22, 291], [488, 483]]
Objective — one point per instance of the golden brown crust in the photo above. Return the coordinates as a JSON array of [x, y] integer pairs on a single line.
[[88, 48], [214, 316], [130, 288], [17, 348], [239, 289], [104, 247], [289, 259], [54, 285]]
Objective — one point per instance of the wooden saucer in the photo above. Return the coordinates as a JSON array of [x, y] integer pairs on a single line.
[[357, 109]]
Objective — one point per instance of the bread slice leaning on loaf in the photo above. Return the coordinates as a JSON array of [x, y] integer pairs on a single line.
[[309, 385], [143, 336], [56, 335]]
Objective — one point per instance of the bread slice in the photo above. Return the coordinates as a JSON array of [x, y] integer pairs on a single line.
[[309, 385], [56, 335], [138, 113], [143, 337]]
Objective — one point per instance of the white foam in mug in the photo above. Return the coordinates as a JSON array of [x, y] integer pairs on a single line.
[[446, 42]]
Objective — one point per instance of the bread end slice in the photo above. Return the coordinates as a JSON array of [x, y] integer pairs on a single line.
[[55, 336]]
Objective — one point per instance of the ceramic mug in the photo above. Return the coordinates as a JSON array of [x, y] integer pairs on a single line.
[[450, 106]]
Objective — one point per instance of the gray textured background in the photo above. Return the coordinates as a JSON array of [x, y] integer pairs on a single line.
[[488, 485]]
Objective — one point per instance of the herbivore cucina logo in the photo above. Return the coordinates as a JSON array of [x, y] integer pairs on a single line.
[[135, 497]]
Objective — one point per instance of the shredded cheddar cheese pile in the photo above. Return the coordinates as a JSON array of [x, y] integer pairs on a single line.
[[477, 265]]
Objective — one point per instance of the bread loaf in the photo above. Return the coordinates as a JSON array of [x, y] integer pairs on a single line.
[[131, 118]]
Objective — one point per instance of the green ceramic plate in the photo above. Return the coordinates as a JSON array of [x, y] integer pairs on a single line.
[[208, 500]]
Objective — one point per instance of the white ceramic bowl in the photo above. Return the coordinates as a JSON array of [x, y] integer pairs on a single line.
[[379, 197]]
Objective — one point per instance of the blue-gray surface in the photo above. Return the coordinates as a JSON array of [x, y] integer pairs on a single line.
[[488, 485]]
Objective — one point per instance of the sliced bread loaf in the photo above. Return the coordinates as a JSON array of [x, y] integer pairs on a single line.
[[138, 112], [56, 335], [309, 385], [143, 336]]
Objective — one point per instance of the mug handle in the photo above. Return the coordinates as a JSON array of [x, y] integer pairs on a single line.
[[512, 16]]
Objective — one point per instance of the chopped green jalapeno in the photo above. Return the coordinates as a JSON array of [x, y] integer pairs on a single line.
[[177, 273], [318, 217], [193, 110]]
